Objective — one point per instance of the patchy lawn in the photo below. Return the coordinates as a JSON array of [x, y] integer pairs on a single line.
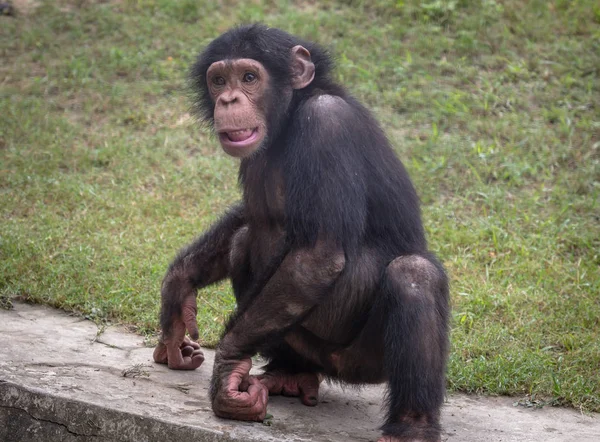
[[494, 107]]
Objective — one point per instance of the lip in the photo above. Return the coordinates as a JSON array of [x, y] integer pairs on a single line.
[[225, 141]]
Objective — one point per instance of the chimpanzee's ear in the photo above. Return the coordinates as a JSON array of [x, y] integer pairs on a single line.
[[303, 69]]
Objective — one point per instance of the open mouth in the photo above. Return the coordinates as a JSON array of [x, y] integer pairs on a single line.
[[239, 138]]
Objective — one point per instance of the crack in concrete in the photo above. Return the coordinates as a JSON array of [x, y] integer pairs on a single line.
[[60, 424], [182, 387], [99, 367]]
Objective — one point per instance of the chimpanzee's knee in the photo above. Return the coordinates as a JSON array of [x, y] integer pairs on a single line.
[[416, 278]]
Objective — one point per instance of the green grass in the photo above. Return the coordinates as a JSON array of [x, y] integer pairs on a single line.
[[494, 106]]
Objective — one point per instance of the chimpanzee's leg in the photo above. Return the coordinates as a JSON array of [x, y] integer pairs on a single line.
[[416, 347]]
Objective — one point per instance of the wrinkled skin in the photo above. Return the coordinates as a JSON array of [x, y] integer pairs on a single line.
[[177, 350], [302, 385], [236, 394], [238, 88]]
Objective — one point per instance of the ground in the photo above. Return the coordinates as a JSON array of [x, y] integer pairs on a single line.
[[94, 384], [492, 105]]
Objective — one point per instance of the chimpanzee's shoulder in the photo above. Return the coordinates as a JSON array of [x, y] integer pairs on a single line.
[[328, 113], [327, 104]]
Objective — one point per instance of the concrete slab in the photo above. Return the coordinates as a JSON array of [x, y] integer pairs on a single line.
[[60, 380]]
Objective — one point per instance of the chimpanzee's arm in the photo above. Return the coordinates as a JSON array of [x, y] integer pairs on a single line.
[[326, 211], [302, 280], [203, 262], [304, 277]]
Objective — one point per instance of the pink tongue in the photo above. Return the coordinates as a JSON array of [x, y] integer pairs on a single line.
[[239, 135]]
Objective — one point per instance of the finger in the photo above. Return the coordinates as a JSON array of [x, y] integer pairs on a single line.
[[258, 397], [160, 353], [290, 389], [193, 361], [256, 413], [256, 384], [176, 361], [289, 384], [309, 391], [247, 406], [197, 358], [234, 381], [176, 336], [187, 350], [187, 342], [188, 314], [272, 383], [174, 356], [173, 341]]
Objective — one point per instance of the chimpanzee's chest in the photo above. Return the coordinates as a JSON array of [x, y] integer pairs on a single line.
[[264, 190], [264, 198]]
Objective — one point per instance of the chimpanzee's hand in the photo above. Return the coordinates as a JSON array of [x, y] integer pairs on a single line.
[[176, 349], [235, 394]]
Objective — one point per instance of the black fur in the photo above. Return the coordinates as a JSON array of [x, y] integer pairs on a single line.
[[270, 46], [345, 180], [343, 184]]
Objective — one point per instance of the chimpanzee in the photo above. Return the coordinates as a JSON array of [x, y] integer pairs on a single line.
[[326, 251]]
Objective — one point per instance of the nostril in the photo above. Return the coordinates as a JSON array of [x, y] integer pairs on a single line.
[[228, 100]]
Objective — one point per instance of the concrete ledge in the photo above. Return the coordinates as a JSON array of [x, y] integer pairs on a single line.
[[31, 414], [62, 379]]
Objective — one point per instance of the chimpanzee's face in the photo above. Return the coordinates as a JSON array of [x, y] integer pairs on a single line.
[[239, 89]]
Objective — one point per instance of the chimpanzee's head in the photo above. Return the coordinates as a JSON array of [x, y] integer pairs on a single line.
[[245, 82]]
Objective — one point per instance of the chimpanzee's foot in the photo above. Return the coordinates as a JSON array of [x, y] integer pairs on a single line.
[[412, 427], [302, 385]]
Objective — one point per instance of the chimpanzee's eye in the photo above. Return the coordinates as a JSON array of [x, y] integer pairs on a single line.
[[249, 77], [218, 80]]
